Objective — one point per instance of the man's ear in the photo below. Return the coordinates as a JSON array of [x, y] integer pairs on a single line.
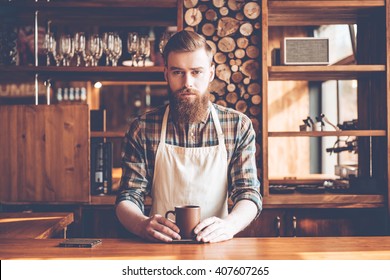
[[166, 73], [212, 72]]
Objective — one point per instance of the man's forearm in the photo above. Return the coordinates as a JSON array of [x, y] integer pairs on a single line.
[[242, 215], [130, 216]]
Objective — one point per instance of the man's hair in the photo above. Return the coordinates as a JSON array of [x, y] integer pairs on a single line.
[[186, 41]]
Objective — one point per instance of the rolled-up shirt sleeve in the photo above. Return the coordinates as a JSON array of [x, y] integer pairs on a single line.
[[244, 183], [134, 183]]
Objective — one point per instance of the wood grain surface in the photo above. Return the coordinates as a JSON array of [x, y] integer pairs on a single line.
[[284, 248], [45, 151], [33, 225]]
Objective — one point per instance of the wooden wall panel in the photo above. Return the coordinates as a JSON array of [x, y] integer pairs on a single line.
[[44, 153]]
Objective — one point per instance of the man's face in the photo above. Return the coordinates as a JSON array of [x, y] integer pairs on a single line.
[[188, 75]]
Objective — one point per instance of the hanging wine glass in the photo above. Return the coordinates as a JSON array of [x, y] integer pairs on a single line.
[[132, 45], [48, 46], [67, 46], [79, 46], [117, 50], [97, 49], [57, 52], [88, 52], [144, 48], [106, 37]]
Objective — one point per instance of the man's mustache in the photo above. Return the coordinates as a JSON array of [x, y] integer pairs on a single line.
[[187, 91]]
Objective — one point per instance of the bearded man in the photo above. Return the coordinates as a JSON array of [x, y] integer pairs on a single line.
[[190, 152]]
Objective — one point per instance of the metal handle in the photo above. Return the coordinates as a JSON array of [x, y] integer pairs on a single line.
[[48, 86], [36, 88], [277, 220], [294, 220]]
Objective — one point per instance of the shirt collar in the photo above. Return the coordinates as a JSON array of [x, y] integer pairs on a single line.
[[206, 117]]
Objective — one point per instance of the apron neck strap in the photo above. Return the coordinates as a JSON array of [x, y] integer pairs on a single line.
[[221, 138], [164, 126]]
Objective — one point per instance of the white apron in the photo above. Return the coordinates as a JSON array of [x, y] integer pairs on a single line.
[[191, 176]]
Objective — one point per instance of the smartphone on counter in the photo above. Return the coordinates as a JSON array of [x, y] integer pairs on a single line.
[[80, 242]]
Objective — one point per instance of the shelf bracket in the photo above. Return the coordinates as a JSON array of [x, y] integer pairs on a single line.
[[36, 38]]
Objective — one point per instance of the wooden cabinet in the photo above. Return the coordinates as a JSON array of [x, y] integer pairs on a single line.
[[100, 221], [318, 222], [44, 152], [373, 78], [270, 223]]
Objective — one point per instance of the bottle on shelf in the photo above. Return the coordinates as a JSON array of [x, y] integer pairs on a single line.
[[59, 95], [77, 94], [66, 94], [83, 94], [71, 94]]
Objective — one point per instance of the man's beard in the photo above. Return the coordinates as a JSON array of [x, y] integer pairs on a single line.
[[188, 110]]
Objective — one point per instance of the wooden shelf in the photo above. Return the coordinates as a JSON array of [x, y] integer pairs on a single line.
[[327, 133], [103, 199], [107, 134], [135, 83], [324, 201], [373, 79], [91, 4], [311, 13], [110, 200], [323, 73], [305, 179], [99, 73], [93, 13]]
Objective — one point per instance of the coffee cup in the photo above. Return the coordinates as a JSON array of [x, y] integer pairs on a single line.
[[187, 217]]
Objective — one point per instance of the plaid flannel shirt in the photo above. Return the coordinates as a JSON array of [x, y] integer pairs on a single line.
[[142, 139]]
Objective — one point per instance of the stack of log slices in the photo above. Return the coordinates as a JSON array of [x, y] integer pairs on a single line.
[[233, 30]]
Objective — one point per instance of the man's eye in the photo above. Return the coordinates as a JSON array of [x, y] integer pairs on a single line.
[[177, 73], [196, 72]]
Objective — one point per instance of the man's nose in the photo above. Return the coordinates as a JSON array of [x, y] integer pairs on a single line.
[[188, 80]]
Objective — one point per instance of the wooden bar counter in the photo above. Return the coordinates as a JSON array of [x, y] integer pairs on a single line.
[[285, 248], [34, 225]]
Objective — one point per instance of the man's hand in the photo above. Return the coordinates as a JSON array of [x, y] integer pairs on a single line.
[[157, 228], [214, 230]]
